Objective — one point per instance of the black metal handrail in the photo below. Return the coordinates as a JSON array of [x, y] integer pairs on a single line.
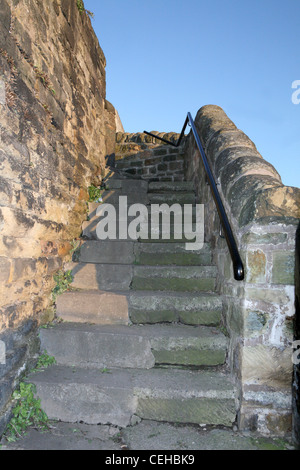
[[238, 267]]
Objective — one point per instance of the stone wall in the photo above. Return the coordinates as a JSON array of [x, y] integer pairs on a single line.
[[259, 311], [143, 156], [56, 127], [296, 381]]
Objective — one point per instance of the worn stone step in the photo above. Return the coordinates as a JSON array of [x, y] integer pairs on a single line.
[[127, 185], [171, 254], [178, 197], [170, 186], [179, 278], [89, 231], [113, 397], [156, 233], [93, 306], [120, 222], [93, 206], [134, 197], [188, 237], [124, 276], [134, 346], [97, 251], [123, 307], [189, 308], [107, 277], [129, 252], [166, 232], [167, 195]]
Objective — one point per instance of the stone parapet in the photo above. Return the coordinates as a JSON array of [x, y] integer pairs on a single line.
[[259, 311], [146, 157]]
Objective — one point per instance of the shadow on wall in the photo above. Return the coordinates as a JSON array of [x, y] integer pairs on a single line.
[[296, 382]]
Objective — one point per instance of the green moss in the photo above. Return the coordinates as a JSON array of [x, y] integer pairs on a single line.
[[270, 444]]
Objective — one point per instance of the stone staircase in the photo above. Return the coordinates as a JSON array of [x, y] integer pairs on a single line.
[[141, 335]]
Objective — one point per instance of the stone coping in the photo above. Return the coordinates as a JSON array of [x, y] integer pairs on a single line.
[[250, 185]]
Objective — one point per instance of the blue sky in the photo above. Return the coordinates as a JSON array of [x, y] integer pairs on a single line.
[[165, 58]]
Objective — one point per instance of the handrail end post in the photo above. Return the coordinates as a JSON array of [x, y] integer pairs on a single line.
[[239, 273]]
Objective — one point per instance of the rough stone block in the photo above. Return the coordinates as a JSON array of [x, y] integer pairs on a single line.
[[264, 238], [267, 365], [5, 267], [242, 192], [211, 119], [283, 270], [255, 322], [256, 266], [273, 296], [159, 152], [242, 166], [278, 204]]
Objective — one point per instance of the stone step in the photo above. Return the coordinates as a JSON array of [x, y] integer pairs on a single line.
[[156, 233], [171, 254], [108, 277], [179, 197], [118, 395], [134, 197], [153, 228], [188, 308], [134, 346], [139, 307], [169, 186], [93, 306], [111, 277], [129, 252], [127, 185], [89, 231], [113, 197], [97, 251], [170, 278], [93, 206]]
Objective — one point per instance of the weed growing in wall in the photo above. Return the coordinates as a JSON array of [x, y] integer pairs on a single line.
[[27, 411], [81, 9], [94, 194], [44, 79], [75, 251], [63, 281], [44, 361], [80, 6]]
